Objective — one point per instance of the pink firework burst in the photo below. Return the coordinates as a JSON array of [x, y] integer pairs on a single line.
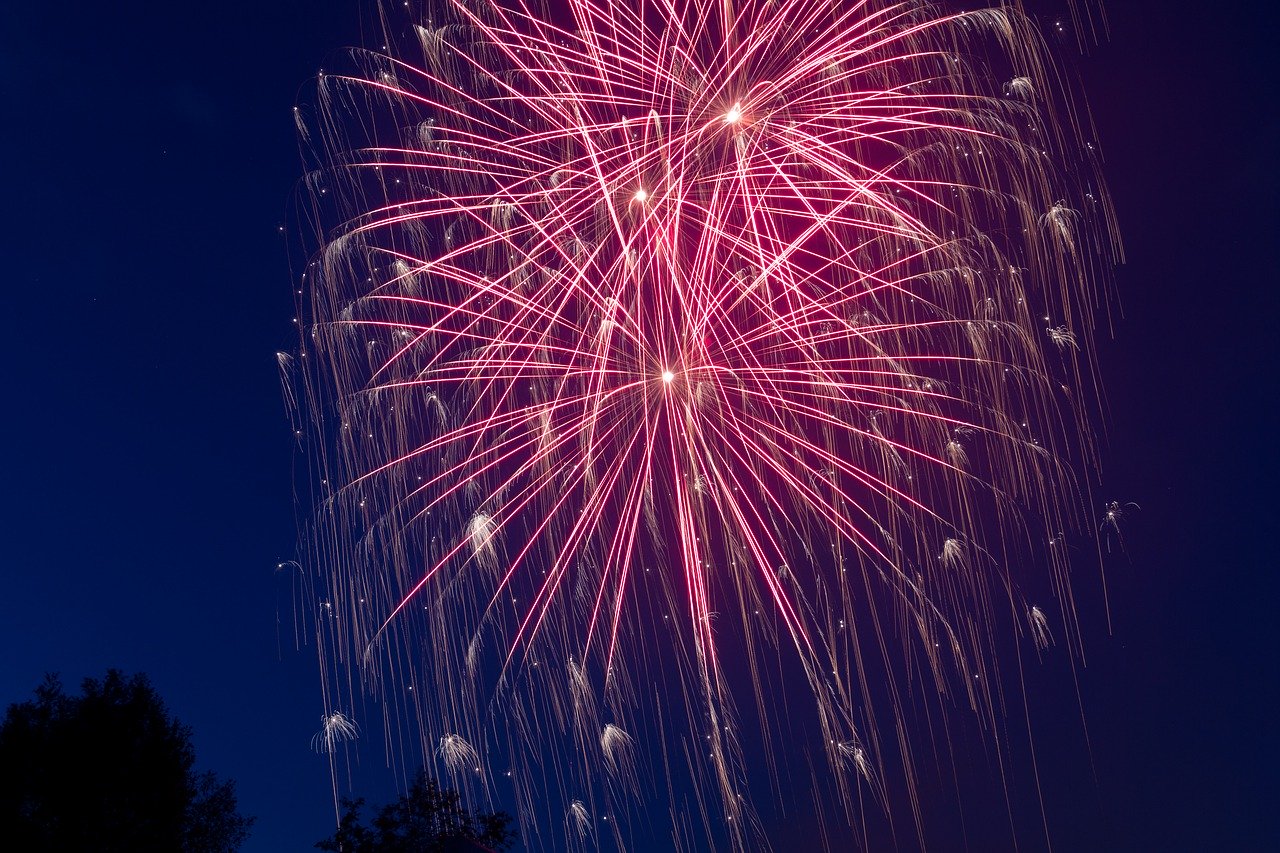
[[661, 357]]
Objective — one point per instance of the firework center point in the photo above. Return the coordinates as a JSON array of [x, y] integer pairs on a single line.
[[734, 115], [668, 377], [641, 196]]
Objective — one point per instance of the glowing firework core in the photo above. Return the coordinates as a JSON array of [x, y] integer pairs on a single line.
[[734, 115], [668, 377]]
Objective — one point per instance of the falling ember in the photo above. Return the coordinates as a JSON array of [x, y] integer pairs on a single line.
[[458, 755], [647, 602], [337, 728]]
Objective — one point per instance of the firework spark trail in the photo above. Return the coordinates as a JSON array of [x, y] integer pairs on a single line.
[[661, 354]]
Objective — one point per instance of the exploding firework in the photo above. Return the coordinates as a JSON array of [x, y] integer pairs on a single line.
[[691, 389]]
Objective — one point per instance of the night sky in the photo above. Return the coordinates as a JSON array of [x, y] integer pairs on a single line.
[[149, 159]]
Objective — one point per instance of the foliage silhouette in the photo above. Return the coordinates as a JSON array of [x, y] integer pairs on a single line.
[[109, 770], [428, 819]]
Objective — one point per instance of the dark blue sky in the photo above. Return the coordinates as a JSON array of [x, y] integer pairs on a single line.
[[149, 156]]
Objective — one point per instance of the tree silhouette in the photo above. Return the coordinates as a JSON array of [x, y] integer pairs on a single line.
[[428, 819], [109, 770]]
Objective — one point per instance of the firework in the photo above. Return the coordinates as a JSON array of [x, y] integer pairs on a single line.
[[661, 358]]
